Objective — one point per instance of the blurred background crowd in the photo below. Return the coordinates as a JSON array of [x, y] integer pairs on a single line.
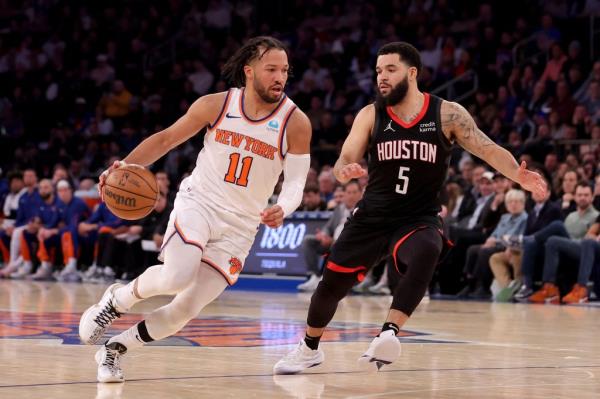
[[82, 84]]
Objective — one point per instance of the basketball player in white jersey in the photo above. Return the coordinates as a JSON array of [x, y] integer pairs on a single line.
[[253, 134]]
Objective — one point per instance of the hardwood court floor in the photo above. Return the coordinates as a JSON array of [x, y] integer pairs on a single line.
[[450, 350]]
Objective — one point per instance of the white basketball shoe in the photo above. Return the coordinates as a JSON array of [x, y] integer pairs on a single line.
[[382, 351], [108, 358], [299, 359], [99, 317]]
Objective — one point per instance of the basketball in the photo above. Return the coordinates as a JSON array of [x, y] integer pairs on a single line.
[[130, 192]]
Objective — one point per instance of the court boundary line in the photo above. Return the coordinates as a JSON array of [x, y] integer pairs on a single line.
[[307, 374]]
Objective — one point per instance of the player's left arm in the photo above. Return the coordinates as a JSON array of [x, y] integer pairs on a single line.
[[458, 125], [295, 169]]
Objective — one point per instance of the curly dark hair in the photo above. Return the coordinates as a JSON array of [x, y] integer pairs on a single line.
[[233, 70], [407, 52]]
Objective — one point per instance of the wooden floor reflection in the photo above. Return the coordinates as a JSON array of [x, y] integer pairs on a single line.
[[450, 349]]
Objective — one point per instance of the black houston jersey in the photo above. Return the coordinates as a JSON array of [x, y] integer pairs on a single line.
[[408, 163]]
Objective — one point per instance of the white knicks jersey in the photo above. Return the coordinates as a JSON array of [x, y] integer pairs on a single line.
[[242, 158]]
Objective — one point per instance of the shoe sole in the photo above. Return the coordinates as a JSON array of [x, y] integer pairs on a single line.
[[288, 372], [586, 300], [319, 360], [552, 300], [386, 352]]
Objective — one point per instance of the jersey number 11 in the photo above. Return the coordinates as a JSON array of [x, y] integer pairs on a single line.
[[234, 160]]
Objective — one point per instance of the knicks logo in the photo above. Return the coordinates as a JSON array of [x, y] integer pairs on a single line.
[[235, 265]]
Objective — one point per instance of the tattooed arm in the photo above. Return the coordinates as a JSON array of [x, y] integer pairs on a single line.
[[458, 125]]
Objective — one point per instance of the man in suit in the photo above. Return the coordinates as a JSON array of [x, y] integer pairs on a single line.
[[469, 231], [315, 245]]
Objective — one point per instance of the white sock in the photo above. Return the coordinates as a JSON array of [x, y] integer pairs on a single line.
[[71, 264], [70, 267], [130, 338], [27, 266]]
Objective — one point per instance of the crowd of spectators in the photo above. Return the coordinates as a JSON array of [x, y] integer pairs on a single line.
[[83, 84]]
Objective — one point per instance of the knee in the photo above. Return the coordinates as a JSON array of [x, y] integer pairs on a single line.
[[335, 285], [421, 269], [497, 260], [555, 224], [178, 281], [472, 250], [552, 242], [429, 252], [587, 244]]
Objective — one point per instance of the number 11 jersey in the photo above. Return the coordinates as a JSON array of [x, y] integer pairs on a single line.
[[242, 158]]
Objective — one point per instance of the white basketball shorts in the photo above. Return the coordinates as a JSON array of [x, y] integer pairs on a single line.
[[225, 238]]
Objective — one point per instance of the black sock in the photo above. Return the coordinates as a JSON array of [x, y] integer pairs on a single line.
[[312, 342], [390, 326], [143, 331]]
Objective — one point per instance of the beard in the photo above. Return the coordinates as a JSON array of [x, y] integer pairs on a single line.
[[264, 95], [395, 96], [45, 196]]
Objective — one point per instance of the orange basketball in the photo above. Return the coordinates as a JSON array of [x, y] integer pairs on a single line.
[[130, 192]]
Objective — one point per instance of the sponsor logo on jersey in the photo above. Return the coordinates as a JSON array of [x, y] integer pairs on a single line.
[[273, 126], [427, 127], [235, 265], [228, 115], [389, 127]]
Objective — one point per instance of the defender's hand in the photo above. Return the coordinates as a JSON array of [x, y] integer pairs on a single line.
[[531, 181], [352, 171]]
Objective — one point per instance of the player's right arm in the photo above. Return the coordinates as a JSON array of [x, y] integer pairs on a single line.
[[347, 168], [201, 113]]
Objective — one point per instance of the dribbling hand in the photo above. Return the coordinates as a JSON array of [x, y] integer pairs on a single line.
[[272, 217], [352, 171], [104, 175]]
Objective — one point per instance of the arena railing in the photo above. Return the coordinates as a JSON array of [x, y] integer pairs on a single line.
[[459, 88]]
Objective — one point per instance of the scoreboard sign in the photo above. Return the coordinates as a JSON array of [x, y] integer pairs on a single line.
[[279, 251]]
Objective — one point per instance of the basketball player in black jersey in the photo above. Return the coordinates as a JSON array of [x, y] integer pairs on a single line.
[[408, 135]]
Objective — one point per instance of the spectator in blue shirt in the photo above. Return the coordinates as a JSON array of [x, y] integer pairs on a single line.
[[512, 224], [45, 218], [72, 210], [99, 230]]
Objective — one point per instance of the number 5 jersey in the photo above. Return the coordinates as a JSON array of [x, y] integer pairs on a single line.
[[408, 163]]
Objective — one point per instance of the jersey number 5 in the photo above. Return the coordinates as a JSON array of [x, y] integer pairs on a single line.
[[234, 160], [402, 188]]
